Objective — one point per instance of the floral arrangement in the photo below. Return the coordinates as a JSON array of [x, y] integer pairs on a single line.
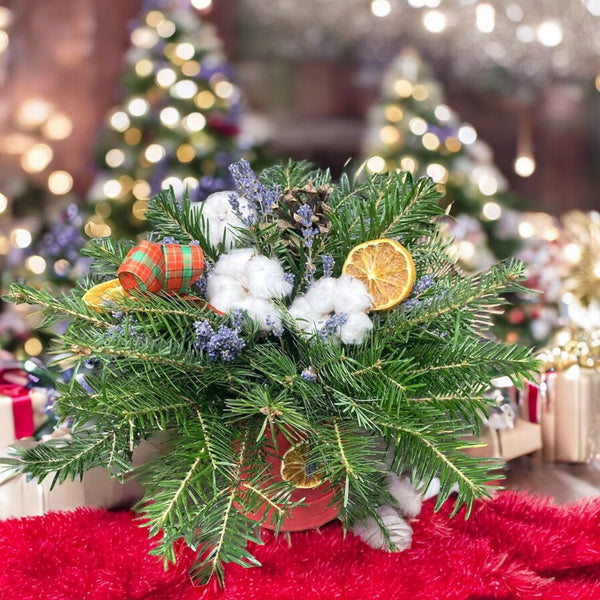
[[281, 339]]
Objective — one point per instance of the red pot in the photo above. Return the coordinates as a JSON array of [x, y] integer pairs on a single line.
[[316, 509]]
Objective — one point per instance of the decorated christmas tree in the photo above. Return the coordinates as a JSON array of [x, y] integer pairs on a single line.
[[411, 128], [179, 125], [279, 340]]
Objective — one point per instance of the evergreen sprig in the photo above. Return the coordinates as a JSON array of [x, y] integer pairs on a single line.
[[411, 389]]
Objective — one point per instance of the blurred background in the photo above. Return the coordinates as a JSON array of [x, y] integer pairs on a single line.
[[104, 103]]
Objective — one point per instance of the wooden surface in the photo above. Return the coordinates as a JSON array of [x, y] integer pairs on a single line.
[[563, 482]]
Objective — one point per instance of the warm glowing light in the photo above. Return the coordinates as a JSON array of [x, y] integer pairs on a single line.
[[16, 143], [132, 136], [3, 202], [381, 8], [143, 37], [119, 121], [154, 17], [6, 17], [20, 238], [184, 89], [3, 41], [191, 182], [166, 28], [434, 21], [144, 67], [173, 183], [201, 4], [33, 347], [185, 51], [487, 185], [485, 17], [141, 189], [139, 208], [526, 229], [593, 6], [551, 234], [204, 99], [442, 112], [420, 92], [191, 68], [524, 166], [195, 122], [437, 172], [57, 127], [166, 77], [467, 135], [453, 144], [430, 141], [408, 163], [115, 157], [4, 245], [417, 125], [37, 158], [154, 153], [491, 211], [466, 250], [112, 188], [97, 230], [60, 182], [550, 33], [138, 107], [33, 112], [170, 116], [403, 88], [389, 134], [394, 113], [35, 264], [103, 209], [573, 253], [224, 89], [186, 153], [376, 164]]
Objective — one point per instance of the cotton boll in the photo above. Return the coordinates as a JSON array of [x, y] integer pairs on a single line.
[[399, 530], [306, 318], [224, 293], [356, 328], [407, 497], [263, 312], [266, 278], [321, 295], [222, 219], [235, 263], [351, 296]]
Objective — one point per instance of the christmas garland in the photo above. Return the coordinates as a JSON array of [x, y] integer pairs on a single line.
[[281, 340]]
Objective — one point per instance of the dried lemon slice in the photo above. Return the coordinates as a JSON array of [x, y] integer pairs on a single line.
[[296, 470], [385, 267], [100, 296]]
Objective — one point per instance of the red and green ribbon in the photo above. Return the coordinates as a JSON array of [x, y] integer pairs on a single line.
[[152, 267]]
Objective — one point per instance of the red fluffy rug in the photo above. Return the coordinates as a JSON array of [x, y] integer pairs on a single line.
[[516, 546]]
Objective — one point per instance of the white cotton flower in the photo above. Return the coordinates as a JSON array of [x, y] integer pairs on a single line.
[[263, 312], [351, 296], [355, 329], [321, 295], [266, 278], [246, 280], [330, 296], [222, 219]]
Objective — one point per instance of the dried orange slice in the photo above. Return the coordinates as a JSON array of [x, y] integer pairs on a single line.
[[100, 296], [296, 470], [385, 267]]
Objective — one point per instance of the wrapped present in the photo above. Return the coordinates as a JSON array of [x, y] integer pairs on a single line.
[[571, 414], [22, 407], [20, 497]]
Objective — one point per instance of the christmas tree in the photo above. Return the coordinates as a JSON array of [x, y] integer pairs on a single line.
[[412, 128], [280, 340], [179, 124]]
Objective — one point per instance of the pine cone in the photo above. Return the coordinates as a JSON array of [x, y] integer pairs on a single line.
[[316, 199]]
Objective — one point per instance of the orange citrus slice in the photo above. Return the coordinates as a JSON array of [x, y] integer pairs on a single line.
[[295, 470], [102, 294], [385, 267]]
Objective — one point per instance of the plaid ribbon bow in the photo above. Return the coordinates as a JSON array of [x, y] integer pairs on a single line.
[[152, 267]]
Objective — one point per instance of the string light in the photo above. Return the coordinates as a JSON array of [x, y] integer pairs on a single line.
[[3, 202], [381, 8], [524, 166], [60, 182]]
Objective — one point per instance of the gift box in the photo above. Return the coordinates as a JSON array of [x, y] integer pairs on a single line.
[[20, 497], [570, 414], [22, 409]]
